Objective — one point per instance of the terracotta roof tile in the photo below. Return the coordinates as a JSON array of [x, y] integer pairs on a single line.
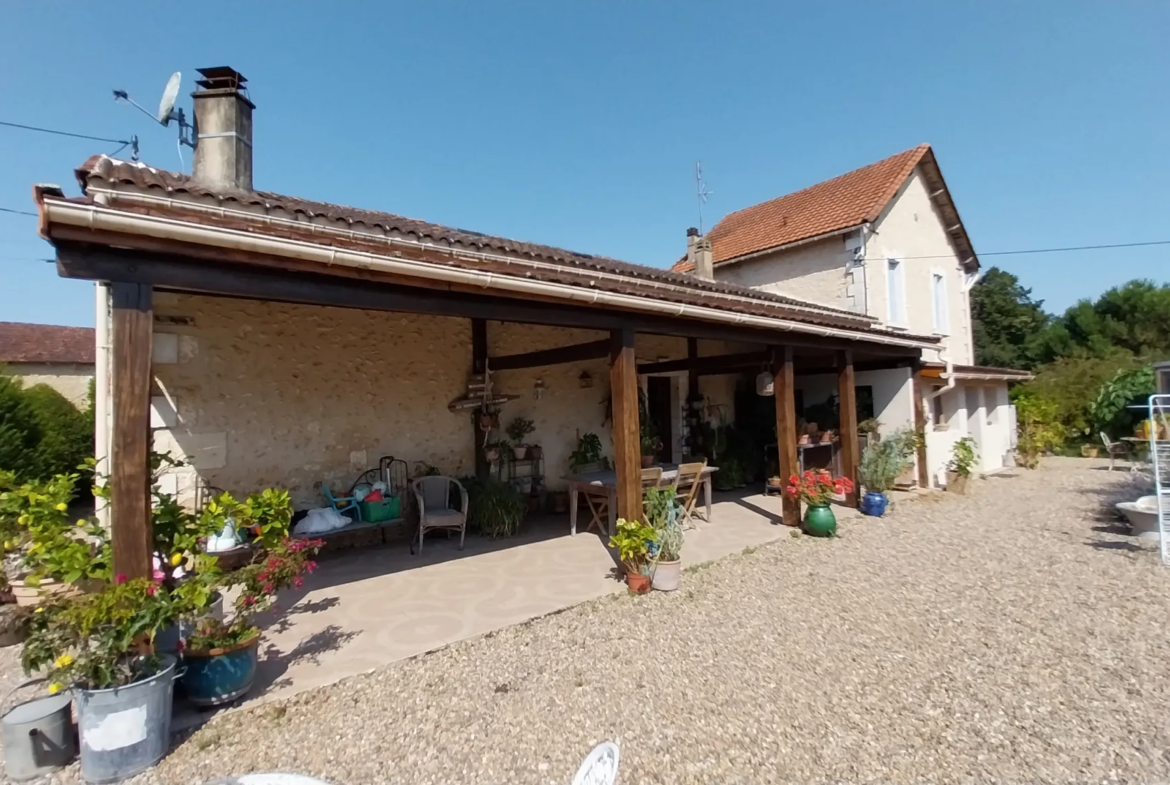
[[852, 199], [45, 343]]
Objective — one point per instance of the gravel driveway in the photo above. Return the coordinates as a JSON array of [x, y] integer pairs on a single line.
[[1009, 635]]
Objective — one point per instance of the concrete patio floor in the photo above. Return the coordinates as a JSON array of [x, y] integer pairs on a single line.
[[367, 608]]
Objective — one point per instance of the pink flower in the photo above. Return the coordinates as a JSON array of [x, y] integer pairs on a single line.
[[181, 646], [120, 578], [299, 582], [159, 576], [150, 590]]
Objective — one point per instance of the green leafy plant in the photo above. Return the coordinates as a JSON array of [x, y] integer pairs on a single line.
[[882, 462], [588, 452], [962, 457], [1038, 428], [53, 545], [1109, 410], [869, 426], [632, 541], [95, 640], [730, 474], [650, 444], [519, 429], [496, 508], [268, 515], [66, 432], [658, 504], [670, 541]]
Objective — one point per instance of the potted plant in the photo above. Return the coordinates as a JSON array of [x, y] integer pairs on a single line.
[[632, 541], [961, 463], [662, 516], [518, 430], [650, 444], [221, 654], [815, 490], [491, 452], [98, 644], [56, 554], [587, 456], [495, 508], [1090, 451], [881, 463]]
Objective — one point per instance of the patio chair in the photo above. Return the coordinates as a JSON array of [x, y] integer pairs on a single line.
[[687, 485], [651, 478], [1115, 449], [433, 496], [597, 499], [346, 505]]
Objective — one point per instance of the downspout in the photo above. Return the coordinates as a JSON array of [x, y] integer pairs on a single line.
[[101, 396]]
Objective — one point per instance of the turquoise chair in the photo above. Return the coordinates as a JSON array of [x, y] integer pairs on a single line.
[[346, 505]]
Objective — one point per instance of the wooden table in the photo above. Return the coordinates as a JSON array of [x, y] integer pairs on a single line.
[[608, 481]]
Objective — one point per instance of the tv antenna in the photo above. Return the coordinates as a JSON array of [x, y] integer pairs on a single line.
[[701, 192], [166, 112]]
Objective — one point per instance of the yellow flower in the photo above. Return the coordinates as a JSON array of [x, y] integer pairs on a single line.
[[39, 610], [176, 559], [56, 687], [62, 506], [64, 661], [22, 520]]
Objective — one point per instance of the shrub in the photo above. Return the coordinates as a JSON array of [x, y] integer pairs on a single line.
[[66, 434], [496, 508], [1109, 410], [20, 430], [882, 462], [1038, 426]]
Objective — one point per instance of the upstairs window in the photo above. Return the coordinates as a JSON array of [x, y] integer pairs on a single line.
[[896, 288], [938, 294]]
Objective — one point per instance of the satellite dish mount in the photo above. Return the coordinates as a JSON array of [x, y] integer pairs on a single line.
[[167, 111]]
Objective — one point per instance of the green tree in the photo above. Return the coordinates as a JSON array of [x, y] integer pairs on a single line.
[[1133, 317], [1006, 321]]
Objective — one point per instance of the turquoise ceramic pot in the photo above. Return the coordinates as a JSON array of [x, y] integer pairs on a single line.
[[220, 675]]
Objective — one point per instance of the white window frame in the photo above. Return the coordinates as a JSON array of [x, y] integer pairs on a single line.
[[896, 279], [939, 310]]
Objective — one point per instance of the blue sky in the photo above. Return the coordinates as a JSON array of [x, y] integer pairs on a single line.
[[578, 124]]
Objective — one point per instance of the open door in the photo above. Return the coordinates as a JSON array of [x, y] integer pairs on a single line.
[[658, 404]]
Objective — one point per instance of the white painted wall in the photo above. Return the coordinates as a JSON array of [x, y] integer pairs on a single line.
[[980, 411], [910, 227], [815, 272]]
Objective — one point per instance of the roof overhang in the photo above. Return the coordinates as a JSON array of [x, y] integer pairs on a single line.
[[977, 373]]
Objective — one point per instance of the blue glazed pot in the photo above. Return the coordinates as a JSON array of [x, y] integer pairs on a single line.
[[220, 675], [874, 504]]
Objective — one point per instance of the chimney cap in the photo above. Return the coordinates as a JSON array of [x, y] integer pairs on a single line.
[[221, 77], [692, 232]]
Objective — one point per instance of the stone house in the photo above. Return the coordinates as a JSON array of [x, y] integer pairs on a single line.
[[885, 241], [61, 357]]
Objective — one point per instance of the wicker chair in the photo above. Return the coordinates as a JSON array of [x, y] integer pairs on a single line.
[[433, 497]]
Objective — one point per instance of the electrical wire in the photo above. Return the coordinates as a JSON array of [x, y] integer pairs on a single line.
[[17, 212], [122, 142], [1044, 250]]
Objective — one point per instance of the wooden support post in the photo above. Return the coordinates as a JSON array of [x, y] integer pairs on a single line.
[[784, 388], [847, 396], [129, 471], [918, 390], [479, 353], [623, 382]]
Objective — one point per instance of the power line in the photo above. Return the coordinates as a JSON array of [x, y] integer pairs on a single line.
[[16, 212], [64, 133], [1048, 250]]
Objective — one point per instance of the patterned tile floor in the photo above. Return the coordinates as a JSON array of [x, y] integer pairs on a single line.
[[365, 609]]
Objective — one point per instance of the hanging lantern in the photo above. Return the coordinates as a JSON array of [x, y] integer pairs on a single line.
[[765, 384], [585, 380]]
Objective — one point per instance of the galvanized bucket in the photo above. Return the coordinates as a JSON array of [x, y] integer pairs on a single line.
[[38, 735]]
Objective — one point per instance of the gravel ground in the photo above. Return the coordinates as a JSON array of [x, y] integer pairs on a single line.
[[1010, 635]]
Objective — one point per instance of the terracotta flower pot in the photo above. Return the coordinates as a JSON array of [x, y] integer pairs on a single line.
[[1089, 450], [520, 451], [637, 582], [804, 439], [535, 451], [647, 461], [773, 482], [957, 483]]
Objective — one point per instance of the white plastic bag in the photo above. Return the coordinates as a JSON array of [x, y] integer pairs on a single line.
[[321, 520]]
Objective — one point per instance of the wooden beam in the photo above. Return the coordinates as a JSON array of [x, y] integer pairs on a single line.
[[479, 351], [724, 363], [623, 382], [919, 392], [784, 388], [231, 279], [578, 352], [847, 396], [130, 523]]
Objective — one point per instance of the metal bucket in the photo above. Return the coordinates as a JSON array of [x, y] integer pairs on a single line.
[[125, 730], [38, 736]]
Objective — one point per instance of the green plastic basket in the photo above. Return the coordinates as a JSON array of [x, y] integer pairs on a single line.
[[385, 510]]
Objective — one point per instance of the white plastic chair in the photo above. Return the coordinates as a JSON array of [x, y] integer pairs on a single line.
[[433, 495], [1115, 449], [600, 766]]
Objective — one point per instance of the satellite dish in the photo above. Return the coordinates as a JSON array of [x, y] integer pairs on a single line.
[[170, 94]]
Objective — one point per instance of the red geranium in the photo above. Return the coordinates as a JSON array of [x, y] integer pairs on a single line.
[[817, 487]]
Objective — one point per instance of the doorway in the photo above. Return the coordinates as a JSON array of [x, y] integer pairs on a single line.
[[658, 389]]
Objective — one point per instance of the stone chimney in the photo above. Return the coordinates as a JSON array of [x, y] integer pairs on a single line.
[[223, 130], [699, 254]]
